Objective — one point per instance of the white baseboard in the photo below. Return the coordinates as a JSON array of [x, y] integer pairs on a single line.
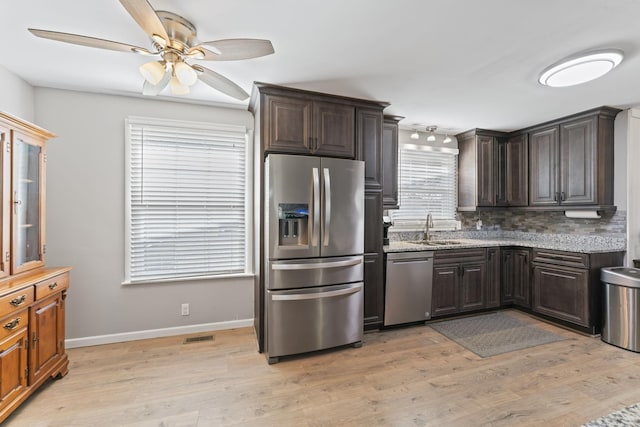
[[156, 333]]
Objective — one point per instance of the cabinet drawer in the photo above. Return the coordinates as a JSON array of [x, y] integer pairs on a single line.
[[15, 301], [569, 259], [452, 256], [13, 323], [51, 286]]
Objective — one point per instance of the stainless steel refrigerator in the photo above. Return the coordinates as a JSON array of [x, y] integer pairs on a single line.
[[314, 244]]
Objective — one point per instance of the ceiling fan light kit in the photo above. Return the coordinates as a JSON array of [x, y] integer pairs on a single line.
[[153, 71], [174, 40], [581, 68]]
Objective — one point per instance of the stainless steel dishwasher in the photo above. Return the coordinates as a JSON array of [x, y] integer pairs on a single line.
[[408, 287]]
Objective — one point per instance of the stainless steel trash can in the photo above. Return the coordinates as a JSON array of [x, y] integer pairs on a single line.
[[621, 325]]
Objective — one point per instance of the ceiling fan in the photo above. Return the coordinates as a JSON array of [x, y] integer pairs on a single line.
[[174, 40]]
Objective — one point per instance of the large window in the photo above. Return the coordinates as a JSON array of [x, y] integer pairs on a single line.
[[187, 200], [428, 184]]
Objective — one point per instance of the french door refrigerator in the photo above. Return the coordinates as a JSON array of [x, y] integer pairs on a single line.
[[314, 244]]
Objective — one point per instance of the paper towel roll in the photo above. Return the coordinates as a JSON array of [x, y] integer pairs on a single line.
[[582, 214]]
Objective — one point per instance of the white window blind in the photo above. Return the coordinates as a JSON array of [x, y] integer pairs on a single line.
[[187, 197], [428, 184]]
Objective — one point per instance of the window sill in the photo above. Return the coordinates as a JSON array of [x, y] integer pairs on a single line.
[[190, 279]]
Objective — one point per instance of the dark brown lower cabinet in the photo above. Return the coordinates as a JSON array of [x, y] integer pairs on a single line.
[[444, 294], [561, 292], [472, 286], [373, 291], [516, 287], [459, 281], [494, 280]]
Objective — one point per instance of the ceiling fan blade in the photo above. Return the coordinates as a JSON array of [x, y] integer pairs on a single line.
[[220, 82], [89, 41], [153, 90], [235, 49], [146, 17]]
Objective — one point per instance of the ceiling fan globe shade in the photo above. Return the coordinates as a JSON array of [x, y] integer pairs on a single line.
[[153, 72], [185, 74], [177, 88]]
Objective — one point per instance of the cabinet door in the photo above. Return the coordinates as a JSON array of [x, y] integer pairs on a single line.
[[543, 159], [521, 274], [13, 367], [501, 172], [517, 171], [373, 291], [486, 190], [390, 165], [46, 326], [27, 245], [373, 221], [288, 127], [445, 294], [578, 156], [561, 292], [5, 209], [493, 278], [369, 131], [472, 286], [507, 276], [334, 130]]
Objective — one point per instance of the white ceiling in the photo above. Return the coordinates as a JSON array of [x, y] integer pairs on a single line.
[[451, 63]]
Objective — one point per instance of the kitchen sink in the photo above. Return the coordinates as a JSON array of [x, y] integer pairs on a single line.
[[435, 242]]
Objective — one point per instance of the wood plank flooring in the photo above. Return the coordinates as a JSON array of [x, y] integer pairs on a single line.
[[403, 377]]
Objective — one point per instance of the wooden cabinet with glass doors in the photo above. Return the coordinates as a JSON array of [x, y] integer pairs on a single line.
[[32, 296]]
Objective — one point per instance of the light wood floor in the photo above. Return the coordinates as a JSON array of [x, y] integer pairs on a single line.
[[404, 377]]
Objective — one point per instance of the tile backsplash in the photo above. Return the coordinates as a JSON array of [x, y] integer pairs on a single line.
[[545, 222]]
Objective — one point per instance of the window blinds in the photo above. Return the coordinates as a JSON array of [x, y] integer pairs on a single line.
[[428, 183], [186, 204]]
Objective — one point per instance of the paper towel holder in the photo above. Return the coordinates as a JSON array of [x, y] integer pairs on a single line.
[[583, 214]]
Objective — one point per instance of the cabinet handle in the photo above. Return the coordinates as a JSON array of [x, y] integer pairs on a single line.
[[555, 196], [563, 196], [53, 285], [17, 301], [12, 324]]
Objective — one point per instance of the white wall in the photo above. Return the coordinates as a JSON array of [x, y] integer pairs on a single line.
[[85, 222], [633, 184], [17, 96]]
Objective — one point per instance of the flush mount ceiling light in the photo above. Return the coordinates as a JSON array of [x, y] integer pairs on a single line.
[[415, 135], [431, 137], [581, 67]]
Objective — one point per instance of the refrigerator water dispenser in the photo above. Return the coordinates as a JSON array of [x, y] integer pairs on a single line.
[[293, 219]]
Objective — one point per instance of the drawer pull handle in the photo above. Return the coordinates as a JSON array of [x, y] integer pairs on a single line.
[[18, 301], [53, 285], [13, 324]]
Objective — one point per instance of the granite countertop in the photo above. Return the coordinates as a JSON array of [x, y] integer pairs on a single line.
[[562, 242]]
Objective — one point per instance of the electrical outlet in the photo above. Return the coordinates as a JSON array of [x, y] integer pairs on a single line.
[[185, 309]]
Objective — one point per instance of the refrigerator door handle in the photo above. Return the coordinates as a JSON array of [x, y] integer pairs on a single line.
[[317, 295], [316, 265], [327, 206], [316, 206]]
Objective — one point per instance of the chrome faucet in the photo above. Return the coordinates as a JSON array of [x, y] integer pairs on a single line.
[[429, 225]]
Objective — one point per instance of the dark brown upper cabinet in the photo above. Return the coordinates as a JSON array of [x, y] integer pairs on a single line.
[[515, 174], [369, 143], [480, 168], [390, 162], [299, 126], [571, 160]]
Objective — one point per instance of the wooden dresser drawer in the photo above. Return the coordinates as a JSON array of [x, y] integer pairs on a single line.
[[13, 323], [15, 301], [51, 286]]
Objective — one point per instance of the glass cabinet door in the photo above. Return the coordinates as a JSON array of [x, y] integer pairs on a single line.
[[5, 216], [27, 203]]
